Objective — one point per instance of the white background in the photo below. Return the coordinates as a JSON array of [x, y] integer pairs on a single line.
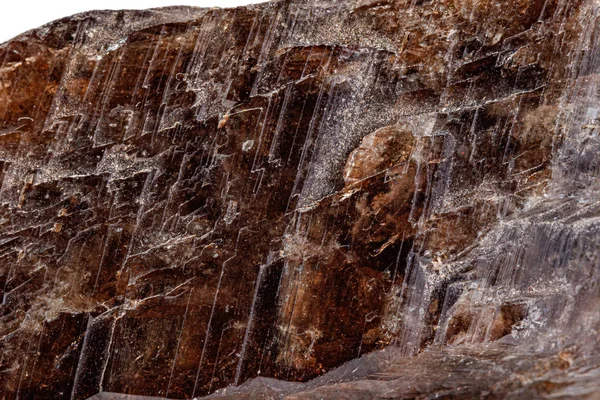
[[18, 16]]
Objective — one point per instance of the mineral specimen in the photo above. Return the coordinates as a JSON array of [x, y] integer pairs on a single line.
[[304, 200]]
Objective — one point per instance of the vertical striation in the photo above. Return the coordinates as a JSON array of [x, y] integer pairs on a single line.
[[345, 199]]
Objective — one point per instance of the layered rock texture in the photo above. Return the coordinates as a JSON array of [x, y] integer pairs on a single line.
[[304, 200]]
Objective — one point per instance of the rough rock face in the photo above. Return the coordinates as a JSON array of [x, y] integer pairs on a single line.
[[406, 190]]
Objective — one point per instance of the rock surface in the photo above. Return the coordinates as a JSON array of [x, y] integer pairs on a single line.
[[346, 199]]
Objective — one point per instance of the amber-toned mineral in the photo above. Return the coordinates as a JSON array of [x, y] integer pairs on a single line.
[[303, 199]]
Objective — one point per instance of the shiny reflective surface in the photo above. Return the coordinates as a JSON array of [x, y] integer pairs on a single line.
[[356, 199]]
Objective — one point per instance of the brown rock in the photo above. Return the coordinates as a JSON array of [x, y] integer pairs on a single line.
[[192, 198]]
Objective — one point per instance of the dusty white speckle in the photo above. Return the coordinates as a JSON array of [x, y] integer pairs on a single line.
[[247, 145]]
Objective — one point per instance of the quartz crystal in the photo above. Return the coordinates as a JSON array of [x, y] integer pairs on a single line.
[[304, 200]]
